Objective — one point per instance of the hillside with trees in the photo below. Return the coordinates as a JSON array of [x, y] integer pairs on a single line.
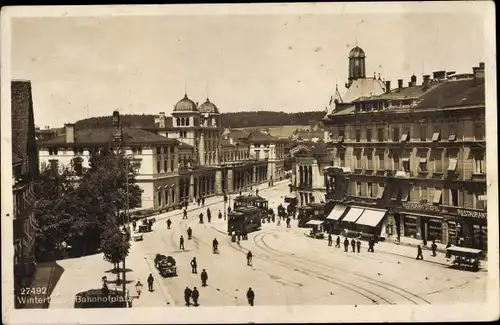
[[229, 120]]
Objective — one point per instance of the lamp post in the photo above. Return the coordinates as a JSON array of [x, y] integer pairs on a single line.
[[127, 220], [138, 288]]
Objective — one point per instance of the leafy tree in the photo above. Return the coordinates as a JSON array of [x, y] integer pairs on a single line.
[[114, 245]]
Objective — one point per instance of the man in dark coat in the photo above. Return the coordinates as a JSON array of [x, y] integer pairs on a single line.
[[203, 201], [250, 296], [209, 214], [257, 192], [353, 245], [371, 243], [288, 222], [419, 253], [134, 225], [181, 243], [337, 244], [187, 296], [358, 244], [346, 244], [249, 258], [220, 215], [184, 214], [434, 247], [201, 217], [198, 201], [169, 223], [151, 280], [204, 278], [330, 240], [195, 295], [194, 266]]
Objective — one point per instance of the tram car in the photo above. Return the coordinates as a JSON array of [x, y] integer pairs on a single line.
[[254, 201], [311, 211], [244, 219]]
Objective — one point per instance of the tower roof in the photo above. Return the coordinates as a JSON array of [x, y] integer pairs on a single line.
[[357, 52], [208, 107], [185, 105]]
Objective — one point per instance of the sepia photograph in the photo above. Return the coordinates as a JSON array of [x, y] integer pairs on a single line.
[[307, 162]]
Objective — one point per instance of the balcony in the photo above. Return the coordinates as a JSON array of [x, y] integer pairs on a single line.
[[423, 174], [358, 171], [369, 171], [478, 177], [403, 174], [380, 172], [437, 175]]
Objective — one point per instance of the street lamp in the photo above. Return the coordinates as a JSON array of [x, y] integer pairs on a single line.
[[127, 220], [138, 288]]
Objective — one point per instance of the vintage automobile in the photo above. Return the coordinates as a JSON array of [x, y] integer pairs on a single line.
[[465, 258], [311, 211], [137, 236], [317, 230], [166, 265]]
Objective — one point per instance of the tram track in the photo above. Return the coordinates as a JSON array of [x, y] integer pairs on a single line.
[[259, 241]]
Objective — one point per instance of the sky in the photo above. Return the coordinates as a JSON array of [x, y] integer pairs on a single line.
[[82, 67]]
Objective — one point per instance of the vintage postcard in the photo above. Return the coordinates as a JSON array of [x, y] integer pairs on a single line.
[[236, 163]]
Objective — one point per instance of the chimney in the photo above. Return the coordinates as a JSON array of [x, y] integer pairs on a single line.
[[387, 86], [413, 81], [162, 114], [426, 83], [479, 71], [70, 132], [400, 84], [47, 127], [116, 118]]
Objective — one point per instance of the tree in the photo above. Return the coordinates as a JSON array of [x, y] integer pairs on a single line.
[[114, 245]]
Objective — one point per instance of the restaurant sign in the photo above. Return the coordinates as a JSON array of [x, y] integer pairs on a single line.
[[472, 214], [421, 207]]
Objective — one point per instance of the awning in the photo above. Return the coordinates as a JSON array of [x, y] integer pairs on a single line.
[[337, 212], [314, 222], [371, 218], [353, 214], [435, 136], [437, 197]]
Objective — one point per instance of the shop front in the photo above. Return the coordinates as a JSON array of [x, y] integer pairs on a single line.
[[335, 216], [371, 223], [422, 221], [469, 229]]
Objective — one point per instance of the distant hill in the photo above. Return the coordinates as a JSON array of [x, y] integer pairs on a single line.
[[229, 120]]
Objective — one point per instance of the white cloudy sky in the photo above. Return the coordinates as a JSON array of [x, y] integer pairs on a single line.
[[141, 64]]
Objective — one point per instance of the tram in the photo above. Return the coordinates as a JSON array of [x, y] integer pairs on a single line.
[[244, 219], [311, 211], [252, 201]]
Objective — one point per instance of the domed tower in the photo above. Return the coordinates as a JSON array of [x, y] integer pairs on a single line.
[[357, 67], [186, 117], [210, 132]]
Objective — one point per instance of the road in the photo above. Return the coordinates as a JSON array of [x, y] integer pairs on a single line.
[[291, 269]]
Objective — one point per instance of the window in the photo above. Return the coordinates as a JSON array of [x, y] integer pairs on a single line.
[[158, 166], [423, 132], [380, 191], [369, 135], [358, 135], [438, 162], [341, 135], [370, 190], [438, 194], [160, 194], [405, 137], [395, 160], [454, 197], [53, 151], [357, 163], [480, 200], [423, 194], [173, 195], [479, 164], [406, 164], [165, 165], [77, 165], [380, 161], [358, 188], [479, 132], [178, 121], [380, 135], [342, 159], [404, 194], [452, 166], [171, 164], [187, 121], [422, 165], [158, 150], [257, 154], [395, 134], [369, 164], [436, 136], [137, 166]]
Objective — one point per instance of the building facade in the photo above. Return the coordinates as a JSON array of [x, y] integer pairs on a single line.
[[24, 172], [415, 155]]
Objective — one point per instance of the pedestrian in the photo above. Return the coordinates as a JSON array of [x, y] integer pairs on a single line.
[[419, 253], [250, 296], [187, 296], [198, 201], [358, 244], [330, 239], [209, 214], [184, 214], [249, 258], [194, 266], [204, 278], [151, 280], [240, 193], [257, 192], [134, 224], [337, 242], [434, 247], [228, 210], [189, 232], [181, 243], [186, 204], [203, 201], [288, 222], [353, 245], [201, 217], [371, 243], [220, 215], [346, 244], [169, 223], [195, 295]]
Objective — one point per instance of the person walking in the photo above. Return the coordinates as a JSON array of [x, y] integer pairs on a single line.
[[151, 280], [184, 214], [187, 296], [434, 247], [250, 296], [200, 216], [346, 244], [189, 232], [195, 295], [330, 239], [353, 245], [169, 223], [203, 201], [419, 253], [358, 244], [249, 258], [198, 201], [209, 215], [204, 278], [220, 215], [337, 244], [181, 243], [194, 266], [257, 192], [288, 222], [134, 225]]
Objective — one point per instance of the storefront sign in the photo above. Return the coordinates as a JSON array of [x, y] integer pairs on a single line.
[[421, 207], [472, 214]]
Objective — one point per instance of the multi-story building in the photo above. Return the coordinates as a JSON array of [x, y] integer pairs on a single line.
[[155, 158], [411, 162], [24, 172]]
